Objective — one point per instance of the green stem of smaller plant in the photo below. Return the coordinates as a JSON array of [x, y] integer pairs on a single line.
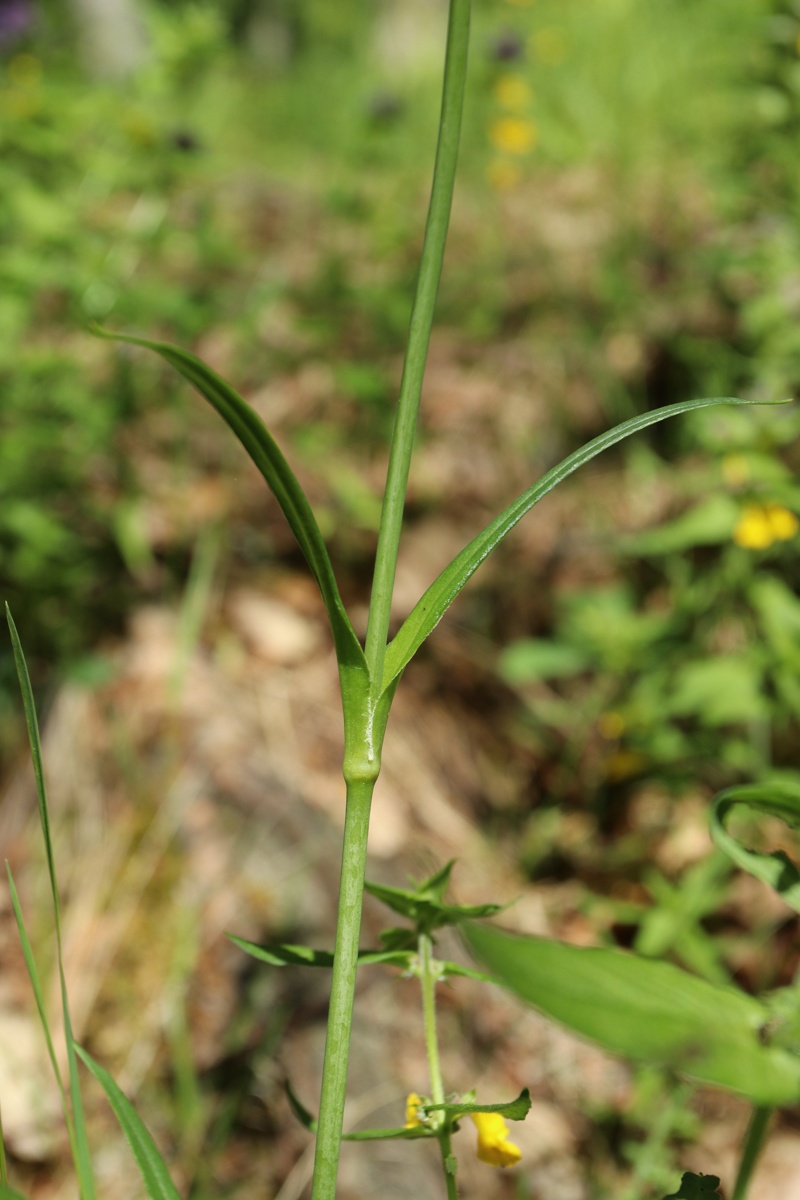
[[429, 977], [756, 1133], [448, 1162]]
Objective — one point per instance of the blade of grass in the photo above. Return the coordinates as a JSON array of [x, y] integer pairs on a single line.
[[38, 995], [80, 1144], [153, 1169], [432, 606]]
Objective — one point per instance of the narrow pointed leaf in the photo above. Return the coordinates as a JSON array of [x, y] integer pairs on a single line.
[[309, 1122], [645, 1010], [779, 799], [512, 1110], [78, 1137], [430, 609], [304, 956], [153, 1169], [425, 909], [38, 995], [268, 458]]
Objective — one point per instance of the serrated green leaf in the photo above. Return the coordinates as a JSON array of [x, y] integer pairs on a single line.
[[268, 458], [304, 956], [645, 1010], [777, 799], [695, 1187], [152, 1168], [430, 609]]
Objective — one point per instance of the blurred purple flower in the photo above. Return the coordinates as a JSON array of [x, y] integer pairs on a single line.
[[16, 18]]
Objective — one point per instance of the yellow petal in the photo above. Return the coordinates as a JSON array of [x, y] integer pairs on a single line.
[[753, 529], [782, 522], [513, 135], [413, 1103], [494, 1147]]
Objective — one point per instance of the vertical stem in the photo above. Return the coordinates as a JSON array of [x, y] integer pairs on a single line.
[[340, 1012], [419, 333], [756, 1132], [429, 977]]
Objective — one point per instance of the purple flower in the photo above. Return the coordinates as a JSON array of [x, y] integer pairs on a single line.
[[16, 18]]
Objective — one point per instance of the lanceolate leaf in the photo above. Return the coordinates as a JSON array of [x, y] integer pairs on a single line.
[[405, 1132], [264, 452], [304, 956], [512, 1110], [779, 799], [645, 1010], [440, 595], [152, 1167]]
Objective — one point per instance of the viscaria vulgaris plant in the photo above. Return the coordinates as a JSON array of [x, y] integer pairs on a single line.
[[632, 1006]]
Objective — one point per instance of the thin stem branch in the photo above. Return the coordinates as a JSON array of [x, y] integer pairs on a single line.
[[428, 980], [340, 1013], [756, 1133], [430, 271], [429, 977]]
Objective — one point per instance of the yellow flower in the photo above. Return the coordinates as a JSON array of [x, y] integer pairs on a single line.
[[513, 135], [762, 524], [512, 91], [503, 175], [413, 1103], [494, 1147]]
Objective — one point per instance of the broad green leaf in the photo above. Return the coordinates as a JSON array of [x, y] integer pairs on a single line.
[[531, 659], [645, 1010], [719, 691], [709, 523], [777, 799], [8, 1193], [77, 1128], [304, 956], [430, 609], [696, 1187], [153, 1169], [268, 458]]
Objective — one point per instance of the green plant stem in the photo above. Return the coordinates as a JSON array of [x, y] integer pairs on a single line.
[[429, 976], [430, 271], [756, 1132], [448, 1162], [340, 1012]]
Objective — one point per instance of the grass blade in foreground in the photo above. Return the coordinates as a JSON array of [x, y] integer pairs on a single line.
[[430, 609], [80, 1144], [153, 1169], [645, 1010], [268, 458]]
